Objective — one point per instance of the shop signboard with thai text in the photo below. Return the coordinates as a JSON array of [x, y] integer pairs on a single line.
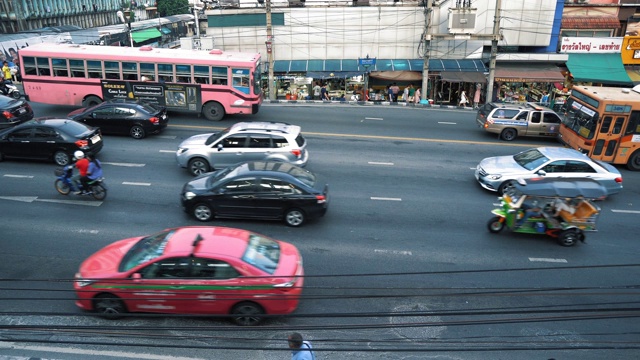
[[591, 45]]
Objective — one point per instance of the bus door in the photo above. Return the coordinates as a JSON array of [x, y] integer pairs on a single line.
[[607, 139]]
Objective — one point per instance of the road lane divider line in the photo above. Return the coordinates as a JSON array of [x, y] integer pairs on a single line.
[[447, 123], [136, 183], [166, 136], [385, 198], [122, 164], [380, 163], [72, 202], [372, 118], [393, 252], [20, 198], [19, 176], [85, 231], [626, 211], [548, 260], [167, 151]]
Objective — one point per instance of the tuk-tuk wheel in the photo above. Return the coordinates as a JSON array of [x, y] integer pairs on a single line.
[[496, 224], [568, 237]]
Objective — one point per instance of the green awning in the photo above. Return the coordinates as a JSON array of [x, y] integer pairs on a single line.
[[598, 68], [146, 34]]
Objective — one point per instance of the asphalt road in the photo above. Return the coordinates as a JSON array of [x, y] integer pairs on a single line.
[[401, 267]]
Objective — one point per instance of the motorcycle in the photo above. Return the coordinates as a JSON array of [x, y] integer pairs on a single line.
[[11, 90], [64, 185]]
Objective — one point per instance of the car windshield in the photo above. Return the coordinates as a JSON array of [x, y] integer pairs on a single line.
[[530, 159], [214, 137], [74, 128], [219, 175], [262, 253], [145, 250]]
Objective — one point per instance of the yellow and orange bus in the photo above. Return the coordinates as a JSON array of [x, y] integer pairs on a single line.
[[604, 123]]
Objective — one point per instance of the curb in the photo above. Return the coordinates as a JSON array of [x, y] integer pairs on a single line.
[[366, 103]]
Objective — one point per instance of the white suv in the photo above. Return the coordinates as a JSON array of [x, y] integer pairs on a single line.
[[245, 141]]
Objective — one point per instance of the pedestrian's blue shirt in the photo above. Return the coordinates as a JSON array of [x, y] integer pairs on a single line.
[[304, 353]]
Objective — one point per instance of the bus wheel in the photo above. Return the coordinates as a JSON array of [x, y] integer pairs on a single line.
[[91, 101], [634, 161], [213, 111]]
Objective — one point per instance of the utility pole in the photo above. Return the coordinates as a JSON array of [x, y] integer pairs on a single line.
[[494, 52], [272, 90], [427, 50]]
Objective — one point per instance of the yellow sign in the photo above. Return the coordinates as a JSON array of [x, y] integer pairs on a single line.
[[630, 50]]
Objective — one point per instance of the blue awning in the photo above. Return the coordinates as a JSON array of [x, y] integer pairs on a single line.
[[352, 65]]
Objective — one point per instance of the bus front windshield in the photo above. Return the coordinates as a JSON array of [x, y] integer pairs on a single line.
[[580, 118]]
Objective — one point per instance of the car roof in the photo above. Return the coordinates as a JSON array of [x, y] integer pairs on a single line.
[[566, 187], [274, 127], [521, 106], [554, 153], [268, 168], [48, 121], [215, 240]]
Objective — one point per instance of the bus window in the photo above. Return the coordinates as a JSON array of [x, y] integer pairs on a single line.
[[148, 70], [94, 69], [201, 74], [597, 149], [633, 127], [165, 73], [606, 124], [617, 127], [112, 70], [219, 75], [29, 65], [60, 67], [129, 70], [183, 73], [611, 148], [77, 68], [43, 66], [241, 79]]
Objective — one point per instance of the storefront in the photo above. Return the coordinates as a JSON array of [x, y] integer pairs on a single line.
[[526, 82]]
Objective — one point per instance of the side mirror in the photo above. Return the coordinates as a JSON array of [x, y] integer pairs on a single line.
[[542, 173], [219, 147], [93, 115], [136, 276]]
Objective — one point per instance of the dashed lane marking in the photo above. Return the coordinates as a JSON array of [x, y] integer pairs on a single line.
[[380, 163], [168, 151], [19, 176], [135, 183], [394, 252], [123, 164], [385, 198], [626, 211], [548, 260], [166, 136], [372, 118], [447, 123]]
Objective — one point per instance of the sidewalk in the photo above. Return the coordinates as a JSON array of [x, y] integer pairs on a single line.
[[367, 103]]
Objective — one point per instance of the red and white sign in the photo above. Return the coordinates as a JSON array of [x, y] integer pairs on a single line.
[[591, 45]]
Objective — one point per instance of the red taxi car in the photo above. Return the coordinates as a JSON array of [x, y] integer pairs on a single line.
[[193, 270]]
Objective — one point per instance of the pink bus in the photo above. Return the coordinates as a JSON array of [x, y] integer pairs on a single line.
[[212, 83]]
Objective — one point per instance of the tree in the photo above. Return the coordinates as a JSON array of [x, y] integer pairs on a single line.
[[173, 7]]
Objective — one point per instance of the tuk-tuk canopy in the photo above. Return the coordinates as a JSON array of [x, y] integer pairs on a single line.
[[571, 188]]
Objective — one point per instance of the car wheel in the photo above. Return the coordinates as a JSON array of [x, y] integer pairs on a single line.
[[507, 187], [634, 161], [495, 225], [137, 132], [247, 314], [109, 306], [61, 158], [508, 134], [91, 101], [213, 111], [62, 187], [202, 212], [198, 166], [568, 237], [294, 217]]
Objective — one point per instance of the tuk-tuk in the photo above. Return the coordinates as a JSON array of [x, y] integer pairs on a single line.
[[560, 208]]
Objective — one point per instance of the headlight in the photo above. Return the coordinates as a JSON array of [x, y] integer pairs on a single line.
[[181, 150], [189, 195], [82, 282], [494, 177]]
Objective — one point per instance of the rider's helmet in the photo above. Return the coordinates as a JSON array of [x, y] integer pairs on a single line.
[[78, 155]]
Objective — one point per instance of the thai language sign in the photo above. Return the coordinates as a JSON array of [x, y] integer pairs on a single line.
[[591, 45]]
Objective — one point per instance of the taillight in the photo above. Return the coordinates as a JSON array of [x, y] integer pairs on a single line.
[[321, 199], [82, 143], [154, 120], [7, 114], [486, 125], [619, 180], [296, 152]]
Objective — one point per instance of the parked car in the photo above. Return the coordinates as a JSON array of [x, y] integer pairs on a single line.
[[513, 120], [14, 112], [129, 117], [244, 141], [193, 270], [257, 190], [49, 139], [500, 173]]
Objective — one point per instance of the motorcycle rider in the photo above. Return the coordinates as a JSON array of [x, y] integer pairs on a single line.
[[3, 86], [82, 164], [93, 172]]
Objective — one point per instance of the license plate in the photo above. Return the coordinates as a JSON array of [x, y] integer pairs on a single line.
[[95, 139], [22, 111]]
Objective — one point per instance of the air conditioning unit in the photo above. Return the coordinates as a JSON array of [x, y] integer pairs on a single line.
[[462, 20]]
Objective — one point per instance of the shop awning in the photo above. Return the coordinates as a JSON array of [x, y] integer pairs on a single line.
[[528, 73], [598, 68], [397, 75], [352, 65], [146, 34], [463, 76], [590, 22]]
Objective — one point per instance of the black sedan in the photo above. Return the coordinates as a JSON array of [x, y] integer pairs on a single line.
[[13, 112], [49, 139], [257, 190], [133, 118]]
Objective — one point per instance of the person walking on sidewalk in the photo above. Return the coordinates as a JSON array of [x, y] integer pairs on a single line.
[[300, 350], [316, 92], [412, 92], [463, 99], [405, 94], [416, 99]]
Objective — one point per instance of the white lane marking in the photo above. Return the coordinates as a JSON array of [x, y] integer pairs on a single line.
[[123, 164], [20, 198], [19, 176], [548, 260], [447, 123], [168, 151], [380, 163], [166, 136], [84, 231], [472, 168], [395, 252], [135, 183], [85, 352], [72, 202], [626, 211], [370, 118], [385, 198]]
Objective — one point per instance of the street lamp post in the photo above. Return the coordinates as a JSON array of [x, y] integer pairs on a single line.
[[366, 63]]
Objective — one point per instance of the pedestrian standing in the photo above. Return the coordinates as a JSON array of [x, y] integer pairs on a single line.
[[324, 94], [463, 99], [416, 99], [395, 90], [412, 92], [390, 93], [545, 98], [476, 96], [316, 92], [405, 94], [300, 350], [6, 70]]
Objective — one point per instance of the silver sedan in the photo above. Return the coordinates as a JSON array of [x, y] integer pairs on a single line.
[[499, 173]]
